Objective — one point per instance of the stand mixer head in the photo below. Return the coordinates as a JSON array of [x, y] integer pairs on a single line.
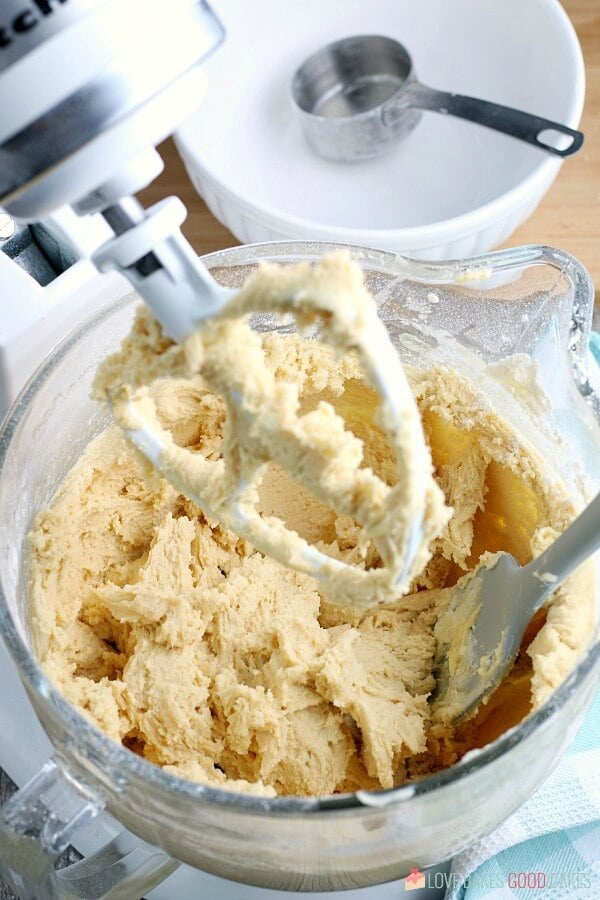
[[123, 75], [85, 137]]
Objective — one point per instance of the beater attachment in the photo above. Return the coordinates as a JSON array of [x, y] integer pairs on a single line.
[[265, 424]]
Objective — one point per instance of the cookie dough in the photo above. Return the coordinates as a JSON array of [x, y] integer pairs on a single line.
[[266, 422], [194, 650]]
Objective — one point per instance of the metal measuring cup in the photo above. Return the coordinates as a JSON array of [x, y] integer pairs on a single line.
[[357, 97]]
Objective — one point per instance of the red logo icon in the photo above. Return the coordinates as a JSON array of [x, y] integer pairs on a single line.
[[414, 880]]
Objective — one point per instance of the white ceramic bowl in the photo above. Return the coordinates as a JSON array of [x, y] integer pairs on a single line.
[[452, 189]]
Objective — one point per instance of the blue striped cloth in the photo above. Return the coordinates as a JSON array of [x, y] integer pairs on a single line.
[[533, 846], [550, 847]]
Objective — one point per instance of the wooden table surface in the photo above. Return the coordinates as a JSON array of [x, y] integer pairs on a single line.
[[568, 217]]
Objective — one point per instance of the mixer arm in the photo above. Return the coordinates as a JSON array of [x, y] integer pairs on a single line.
[[152, 253], [87, 89]]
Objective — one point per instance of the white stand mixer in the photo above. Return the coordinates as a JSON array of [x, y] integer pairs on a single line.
[[120, 77]]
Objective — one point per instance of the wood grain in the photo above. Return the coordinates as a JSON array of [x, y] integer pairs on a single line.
[[568, 217]]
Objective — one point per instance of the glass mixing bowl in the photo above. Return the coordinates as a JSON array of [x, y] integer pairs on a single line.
[[531, 300]]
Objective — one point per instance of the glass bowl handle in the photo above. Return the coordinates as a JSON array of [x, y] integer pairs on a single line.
[[38, 823]]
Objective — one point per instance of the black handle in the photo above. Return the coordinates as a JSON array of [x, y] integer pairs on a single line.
[[515, 122]]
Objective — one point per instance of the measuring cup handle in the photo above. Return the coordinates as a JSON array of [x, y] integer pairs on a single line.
[[515, 122], [38, 823]]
